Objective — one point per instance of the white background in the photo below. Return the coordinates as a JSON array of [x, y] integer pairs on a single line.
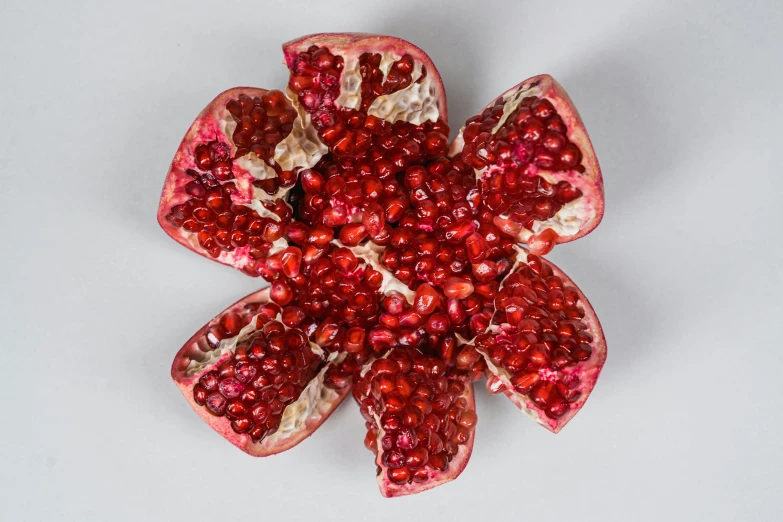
[[682, 101]]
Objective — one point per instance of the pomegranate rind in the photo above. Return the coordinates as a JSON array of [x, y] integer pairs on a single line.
[[587, 371], [581, 216], [315, 404], [354, 44], [213, 123], [456, 466]]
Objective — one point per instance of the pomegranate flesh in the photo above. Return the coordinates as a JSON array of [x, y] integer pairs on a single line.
[[402, 268], [224, 196]]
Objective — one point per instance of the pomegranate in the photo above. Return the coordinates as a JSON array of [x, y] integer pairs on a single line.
[[402, 267]]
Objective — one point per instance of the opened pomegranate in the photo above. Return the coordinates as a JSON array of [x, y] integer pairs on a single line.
[[402, 267]]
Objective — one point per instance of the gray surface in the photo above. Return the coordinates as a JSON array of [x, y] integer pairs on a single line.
[[683, 105]]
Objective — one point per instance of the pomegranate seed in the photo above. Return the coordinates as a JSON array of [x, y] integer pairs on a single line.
[[477, 248], [425, 300], [457, 288], [291, 261], [353, 233], [460, 230], [543, 243], [216, 404], [281, 293], [400, 475], [467, 358]]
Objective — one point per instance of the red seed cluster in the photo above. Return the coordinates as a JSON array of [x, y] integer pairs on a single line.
[[386, 148], [214, 157], [333, 298], [533, 135], [548, 334], [266, 373], [447, 233], [220, 225], [315, 78], [262, 122], [423, 414], [373, 84], [230, 323], [364, 195], [335, 292]]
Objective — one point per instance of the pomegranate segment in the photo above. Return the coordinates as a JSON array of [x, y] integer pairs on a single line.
[[399, 78], [535, 165], [420, 419], [545, 348], [256, 382], [354, 87], [225, 192]]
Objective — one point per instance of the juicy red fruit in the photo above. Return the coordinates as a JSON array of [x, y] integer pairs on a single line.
[[219, 224], [207, 201], [394, 258], [535, 135], [261, 122]]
